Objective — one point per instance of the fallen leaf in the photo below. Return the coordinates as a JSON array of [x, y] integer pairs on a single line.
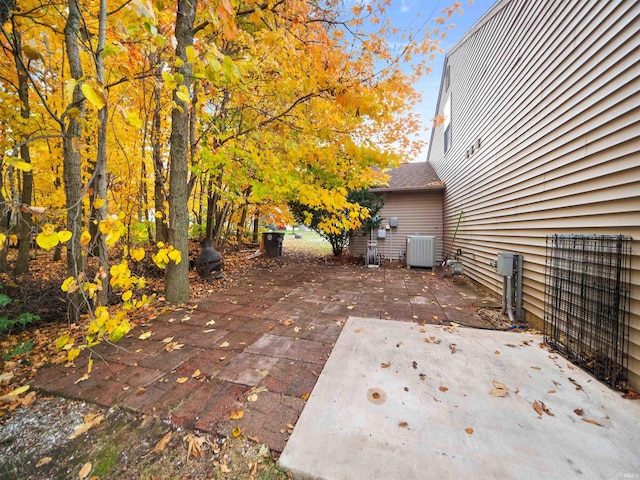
[[84, 471], [43, 461], [546, 410], [435, 317], [209, 330], [167, 340], [88, 424], [224, 344], [237, 415], [385, 365], [210, 322], [631, 395], [164, 441], [357, 330], [28, 399], [196, 374], [422, 330], [140, 391], [305, 396], [592, 421], [578, 386], [82, 379], [171, 346], [541, 408], [578, 411], [297, 329], [224, 468], [182, 379], [252, 398], [12, 395], [499, 389], [236, 432], [551, 391], [536, 368], [497, 352], [536, 406], [287, 322], [469, 430], [196, 445], [145, 335], [443, 389], [452, 347], [403, 424]]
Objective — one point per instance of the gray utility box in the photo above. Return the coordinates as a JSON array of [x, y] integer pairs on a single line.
[[505, 264]]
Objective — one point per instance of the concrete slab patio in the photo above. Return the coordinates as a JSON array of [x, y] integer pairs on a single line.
[[269, 333], [403, 401]]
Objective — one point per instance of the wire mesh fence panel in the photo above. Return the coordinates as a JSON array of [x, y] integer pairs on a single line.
[[587, 302]]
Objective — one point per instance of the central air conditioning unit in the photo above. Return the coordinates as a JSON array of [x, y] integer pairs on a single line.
[[421, 251]]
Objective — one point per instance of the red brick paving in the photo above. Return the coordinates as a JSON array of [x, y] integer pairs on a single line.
[[242, 341]]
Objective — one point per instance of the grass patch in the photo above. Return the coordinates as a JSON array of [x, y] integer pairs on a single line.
[[106, 460], [310, 243]]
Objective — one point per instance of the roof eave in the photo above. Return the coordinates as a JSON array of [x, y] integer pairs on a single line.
[[408, 189]]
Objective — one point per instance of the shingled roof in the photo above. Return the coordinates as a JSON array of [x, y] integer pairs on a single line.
[[410, 177]]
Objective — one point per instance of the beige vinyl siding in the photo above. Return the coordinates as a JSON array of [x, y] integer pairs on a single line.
[[418, 212], [551, 88]]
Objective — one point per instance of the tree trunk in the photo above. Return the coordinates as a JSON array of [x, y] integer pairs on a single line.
[[256, 225], [26, 195], [213, 214], [241, 226], [72, 163], [162, 235], [4, 228], [177, 275], [100, 169]]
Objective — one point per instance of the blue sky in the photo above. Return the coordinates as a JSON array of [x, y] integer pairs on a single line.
[[415, 13]]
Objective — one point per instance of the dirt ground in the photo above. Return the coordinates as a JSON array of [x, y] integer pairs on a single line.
[[36, 443]]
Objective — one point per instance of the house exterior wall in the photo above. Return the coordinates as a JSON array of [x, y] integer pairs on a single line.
[[548, 94], [418, 212]]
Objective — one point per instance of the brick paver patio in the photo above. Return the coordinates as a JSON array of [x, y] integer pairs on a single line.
[[269, 336]]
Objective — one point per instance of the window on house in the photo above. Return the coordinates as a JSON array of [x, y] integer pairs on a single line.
[[447, 125]]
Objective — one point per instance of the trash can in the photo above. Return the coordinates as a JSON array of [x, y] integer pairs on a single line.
[[272, 242]]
